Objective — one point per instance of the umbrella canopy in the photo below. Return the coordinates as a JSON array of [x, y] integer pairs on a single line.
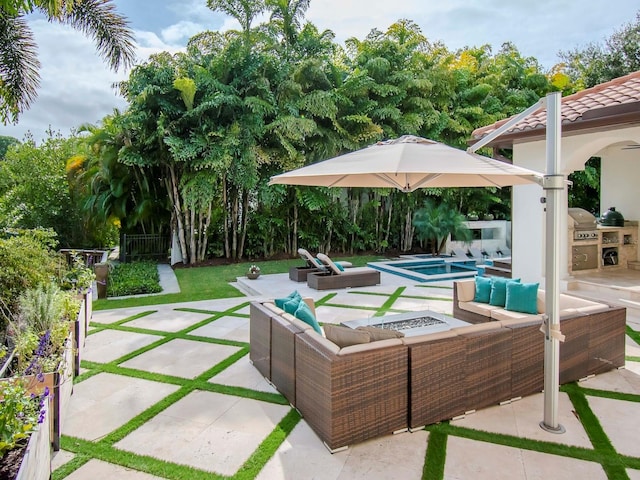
[[409, 163]]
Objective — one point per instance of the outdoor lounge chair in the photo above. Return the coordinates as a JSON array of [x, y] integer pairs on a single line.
[[299, 274], [337, 278], [459, 253]]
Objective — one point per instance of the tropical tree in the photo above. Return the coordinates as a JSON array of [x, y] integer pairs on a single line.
[[19, 65], [436, 222], [35, 193], [615, 57]]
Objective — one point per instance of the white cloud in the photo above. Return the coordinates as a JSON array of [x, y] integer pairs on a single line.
[[181, 32]]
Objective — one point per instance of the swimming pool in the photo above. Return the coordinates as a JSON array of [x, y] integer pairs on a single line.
[[429, 269]]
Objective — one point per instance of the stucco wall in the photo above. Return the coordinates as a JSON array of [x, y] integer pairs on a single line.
[[619, 187]]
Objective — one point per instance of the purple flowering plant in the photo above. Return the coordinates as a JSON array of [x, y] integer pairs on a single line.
[[20, 412]]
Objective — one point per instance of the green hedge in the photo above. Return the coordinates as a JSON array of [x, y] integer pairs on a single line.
[[133, 279]]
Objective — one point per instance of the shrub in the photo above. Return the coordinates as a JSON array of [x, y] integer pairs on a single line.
[[25, 262], [133, 279]]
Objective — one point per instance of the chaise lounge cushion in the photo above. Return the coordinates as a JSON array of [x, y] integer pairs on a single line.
[[344, 336]]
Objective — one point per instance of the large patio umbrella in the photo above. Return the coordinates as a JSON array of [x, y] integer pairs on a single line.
[[409, 163]]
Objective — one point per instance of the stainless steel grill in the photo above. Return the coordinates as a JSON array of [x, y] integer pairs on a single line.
[[584, 224]]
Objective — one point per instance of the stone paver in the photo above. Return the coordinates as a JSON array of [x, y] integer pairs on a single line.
[[622, 381], [168, 320], [633, 474], [108, 345], [522, 419], [105, 402], [620, 420], [243, 374], [228, 328], [181, 358], [206, 430], [98, 470], [359, 299], [60, 457], [469, 459]]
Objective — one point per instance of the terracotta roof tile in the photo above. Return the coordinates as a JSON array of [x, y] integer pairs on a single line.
[[615, 92]]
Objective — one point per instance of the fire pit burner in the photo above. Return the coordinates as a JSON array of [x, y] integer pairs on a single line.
[[410, 323]]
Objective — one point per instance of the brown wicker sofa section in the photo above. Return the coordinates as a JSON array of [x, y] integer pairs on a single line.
[[469, 368], [351, 394], [363, 391]]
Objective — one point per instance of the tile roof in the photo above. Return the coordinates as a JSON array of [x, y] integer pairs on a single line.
[[595, 102]]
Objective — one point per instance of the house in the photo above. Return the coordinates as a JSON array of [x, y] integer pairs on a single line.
[[602, 121]]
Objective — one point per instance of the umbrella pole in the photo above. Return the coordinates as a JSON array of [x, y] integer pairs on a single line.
[[553, 184]]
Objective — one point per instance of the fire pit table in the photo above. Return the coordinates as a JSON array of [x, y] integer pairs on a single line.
[[410, 323]]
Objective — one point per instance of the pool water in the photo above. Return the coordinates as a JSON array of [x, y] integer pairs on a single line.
[[429, 269]]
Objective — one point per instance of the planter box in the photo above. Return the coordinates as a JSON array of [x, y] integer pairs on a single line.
[[36, 463], [79, 332], [60, 385]]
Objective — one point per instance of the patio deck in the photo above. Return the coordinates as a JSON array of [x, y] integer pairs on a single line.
[[174, 383]]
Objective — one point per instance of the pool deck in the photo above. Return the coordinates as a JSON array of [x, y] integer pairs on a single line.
[[173, 382]]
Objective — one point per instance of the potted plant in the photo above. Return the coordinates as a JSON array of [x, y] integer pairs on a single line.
[[254, 272], [25, 451]]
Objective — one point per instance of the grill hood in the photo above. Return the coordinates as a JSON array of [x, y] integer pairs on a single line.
[[582, 220]]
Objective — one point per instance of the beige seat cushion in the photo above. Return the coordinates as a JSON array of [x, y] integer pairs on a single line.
[[502, 314], [380, 333], [344, 336], [477, 307]]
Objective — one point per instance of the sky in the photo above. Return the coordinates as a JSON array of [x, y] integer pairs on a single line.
[[77, 87]]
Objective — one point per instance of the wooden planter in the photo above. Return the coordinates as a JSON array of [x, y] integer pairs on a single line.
[[36, 463]]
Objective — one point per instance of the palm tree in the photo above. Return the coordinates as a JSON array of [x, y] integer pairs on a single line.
[[19, 65], [435, 223]]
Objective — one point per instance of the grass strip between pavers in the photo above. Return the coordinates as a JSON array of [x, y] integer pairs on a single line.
[[612, 463], [386, 306], [143, 463], [435, 457], [635, 336], [632, 359], [268, 447]]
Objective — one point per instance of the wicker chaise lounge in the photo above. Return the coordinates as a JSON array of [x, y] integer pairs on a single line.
[[300, 273], [336, 278]]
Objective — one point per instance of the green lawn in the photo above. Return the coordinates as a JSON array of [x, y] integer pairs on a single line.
[[208, 283]]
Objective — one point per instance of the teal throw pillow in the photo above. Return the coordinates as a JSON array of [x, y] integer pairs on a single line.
[[305, 314], [483, 289], [292, 305], [281, 301], [522, 297], [498, 296], [340, 267]]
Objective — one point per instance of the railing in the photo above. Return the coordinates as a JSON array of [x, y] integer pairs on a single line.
[[144, 247], [91, 257]]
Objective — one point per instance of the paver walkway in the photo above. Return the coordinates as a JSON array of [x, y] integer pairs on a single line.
[[168, 392]]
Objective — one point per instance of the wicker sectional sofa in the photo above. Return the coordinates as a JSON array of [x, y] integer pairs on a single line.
[[351, 394]]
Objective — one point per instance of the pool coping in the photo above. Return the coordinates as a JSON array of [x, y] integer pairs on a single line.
[[390, 267]]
